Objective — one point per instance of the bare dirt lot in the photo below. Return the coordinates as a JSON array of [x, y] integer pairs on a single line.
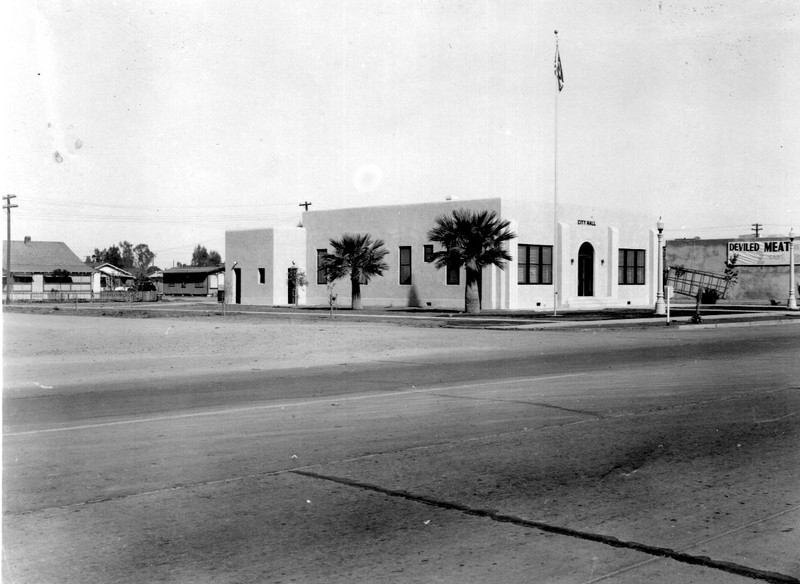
[[49, 350]]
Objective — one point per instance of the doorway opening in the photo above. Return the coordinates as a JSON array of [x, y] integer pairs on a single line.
[[237, 276], [291, 280], [586, 270]]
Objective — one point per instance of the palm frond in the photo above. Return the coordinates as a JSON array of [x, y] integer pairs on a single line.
[[356, 255], [474, 239]]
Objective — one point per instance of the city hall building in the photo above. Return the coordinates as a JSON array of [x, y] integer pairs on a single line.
[[595, 258]]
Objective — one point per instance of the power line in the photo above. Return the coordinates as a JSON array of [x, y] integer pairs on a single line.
[[740, 227], [192, 220], [180, 207]]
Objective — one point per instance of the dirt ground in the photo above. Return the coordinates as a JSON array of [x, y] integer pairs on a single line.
[[41, 351]]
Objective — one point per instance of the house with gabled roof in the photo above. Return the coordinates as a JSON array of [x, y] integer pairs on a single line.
[[106, 277], [41, 269]]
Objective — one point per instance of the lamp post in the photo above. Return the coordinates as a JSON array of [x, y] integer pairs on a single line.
[[660, 306], [792, 304]]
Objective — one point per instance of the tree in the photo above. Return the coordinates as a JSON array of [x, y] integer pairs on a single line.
[[202, 257], [111, 256], [127, 256], [296, 279], [474, 240], [143, 257], [358, 256], [126, 247]]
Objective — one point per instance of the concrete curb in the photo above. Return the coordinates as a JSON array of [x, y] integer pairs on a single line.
[[674, 325], [689, 326]]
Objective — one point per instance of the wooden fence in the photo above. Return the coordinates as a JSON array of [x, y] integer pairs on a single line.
[[73, 296]]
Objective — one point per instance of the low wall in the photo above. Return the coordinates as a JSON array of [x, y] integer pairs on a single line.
[[755, 284]]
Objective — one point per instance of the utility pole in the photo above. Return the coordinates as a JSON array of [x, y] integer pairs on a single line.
[[9, 280], [305, 204], [757, 227]]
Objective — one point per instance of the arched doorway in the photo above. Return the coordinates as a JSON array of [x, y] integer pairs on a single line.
[[586, 270]]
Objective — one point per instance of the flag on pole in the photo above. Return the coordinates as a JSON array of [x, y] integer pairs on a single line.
[[558, 71]]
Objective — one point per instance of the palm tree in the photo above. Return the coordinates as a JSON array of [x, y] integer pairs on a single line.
[[358, 256], [475, 240]]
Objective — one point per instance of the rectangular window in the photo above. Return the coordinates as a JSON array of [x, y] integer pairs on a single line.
[[453, 275], [631, 266], [322, 273], [58, 279], [534, 264], [262, 275], [405, 266], [427, 253]]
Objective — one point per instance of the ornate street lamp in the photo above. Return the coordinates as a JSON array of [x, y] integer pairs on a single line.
[[660, 306], [792, 298]]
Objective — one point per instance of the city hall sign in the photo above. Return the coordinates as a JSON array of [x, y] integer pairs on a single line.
[[761, 253]]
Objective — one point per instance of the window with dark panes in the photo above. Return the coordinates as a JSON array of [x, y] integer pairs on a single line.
[[631, 266], [427, 253], [453, 274], [405, 265], [322, 273], [262, 275], [534, 264]]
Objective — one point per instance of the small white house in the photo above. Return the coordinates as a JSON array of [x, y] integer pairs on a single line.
[[107, 277]]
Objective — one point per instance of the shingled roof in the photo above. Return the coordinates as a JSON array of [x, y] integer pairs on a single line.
[[42, 257], [207, 270], [190, 273]]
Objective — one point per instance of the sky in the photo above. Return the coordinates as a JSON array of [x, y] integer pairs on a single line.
[[169, 122]]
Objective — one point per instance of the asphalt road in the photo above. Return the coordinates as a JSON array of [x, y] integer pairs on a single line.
[[615, 456]]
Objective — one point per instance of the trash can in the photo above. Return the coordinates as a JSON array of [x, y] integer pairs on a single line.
[[221, 296]]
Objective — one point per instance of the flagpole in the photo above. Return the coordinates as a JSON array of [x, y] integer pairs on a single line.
[[555, 259]]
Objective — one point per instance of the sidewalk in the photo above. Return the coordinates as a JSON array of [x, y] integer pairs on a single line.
[[712, 317], [679, 323]]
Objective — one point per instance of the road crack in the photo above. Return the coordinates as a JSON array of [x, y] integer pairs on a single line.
[[705, 561], [525, 402]]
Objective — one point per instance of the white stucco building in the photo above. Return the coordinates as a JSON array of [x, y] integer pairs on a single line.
[[598, 258]]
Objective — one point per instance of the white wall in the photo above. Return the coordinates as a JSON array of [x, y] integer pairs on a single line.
[[272, 250], [399, 225], [611, 230], [290, 250], [249, 250], [607, 230]]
